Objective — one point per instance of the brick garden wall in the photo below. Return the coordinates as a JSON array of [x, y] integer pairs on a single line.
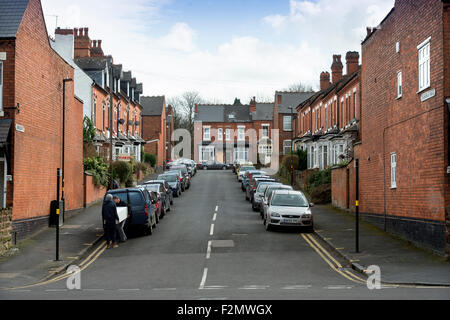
[[92, 193], [5, 230], [339, 187]]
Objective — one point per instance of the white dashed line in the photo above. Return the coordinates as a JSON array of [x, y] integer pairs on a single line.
[[211, 232], [217, 208], [56, 290], [202, 283], [129, 289], [297, 287], [93, 289], [215, 287], [215, 217], [343, 287], [165, 289], [208, 251], [254, 287]]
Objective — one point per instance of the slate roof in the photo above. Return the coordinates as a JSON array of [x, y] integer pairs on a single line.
[[292, 99], [11, 14], [152, 106], [264, 111], [126, 76], [94, 63], [222, 113]]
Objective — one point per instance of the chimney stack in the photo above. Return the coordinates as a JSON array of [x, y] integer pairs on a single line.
[[253, 105], [99, 43], [86, 32], [352, 58], [94, 44], [82, 43], [336, 68], [196, 108], [324, 80]]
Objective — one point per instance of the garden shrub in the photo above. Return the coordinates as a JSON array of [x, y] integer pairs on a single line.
[[122, 170], [150, 159], [99, 170]]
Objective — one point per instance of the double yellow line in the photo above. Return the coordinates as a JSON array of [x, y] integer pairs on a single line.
[[332, 262], [83, 265]]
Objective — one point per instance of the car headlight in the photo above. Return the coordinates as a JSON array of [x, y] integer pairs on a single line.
[[274, 214]]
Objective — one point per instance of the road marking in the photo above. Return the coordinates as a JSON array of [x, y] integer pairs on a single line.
[[254, 287], [217, 208], [165, 289], [239, 234], [215, 287], [202, 283], [93, 289], [215, 217], [55, 290], [21, 290], [340, 287], [297, 287], [211, 232], [208, 251], [129, 289]]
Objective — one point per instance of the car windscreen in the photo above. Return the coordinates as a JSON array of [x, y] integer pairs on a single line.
[[289, 200], [182, 169], [169, 178], [263, 186], [243, 169], [271, 189], [152, 187]]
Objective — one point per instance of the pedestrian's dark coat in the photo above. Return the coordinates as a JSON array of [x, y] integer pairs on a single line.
[[109, 213]]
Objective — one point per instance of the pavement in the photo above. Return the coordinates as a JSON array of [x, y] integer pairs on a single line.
[[400, 262], [211, 245]]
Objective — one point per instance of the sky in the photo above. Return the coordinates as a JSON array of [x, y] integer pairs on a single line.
[[222, 48]]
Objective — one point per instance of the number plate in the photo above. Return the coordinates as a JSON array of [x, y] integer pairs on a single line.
[[290, 220]]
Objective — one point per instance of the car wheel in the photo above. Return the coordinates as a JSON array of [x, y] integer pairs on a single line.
[[310, 229], [246, 198], [149, 229], [267, 225], [156, 219], [224, 168], [171, 202]]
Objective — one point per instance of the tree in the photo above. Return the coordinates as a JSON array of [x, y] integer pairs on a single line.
[[299, 87], [88, 130]]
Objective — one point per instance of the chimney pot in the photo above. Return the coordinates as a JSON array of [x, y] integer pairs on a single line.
[[99, 43], [95, 44], [324, 80], [336, 68], [75, 32], [352, 58], [86, 32]]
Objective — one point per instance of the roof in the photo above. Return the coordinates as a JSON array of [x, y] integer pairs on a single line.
[[126, 76], [92, 63], [223, 113], [152, 106], [11, 15], [5, 125], [264, 111], [292, 99]]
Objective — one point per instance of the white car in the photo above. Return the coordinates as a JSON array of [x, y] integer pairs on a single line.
[[288, 208], [266, 195]]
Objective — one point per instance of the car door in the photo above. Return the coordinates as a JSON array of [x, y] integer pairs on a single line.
[[137, 203]]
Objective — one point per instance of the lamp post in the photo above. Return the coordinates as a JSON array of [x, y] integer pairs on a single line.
[[64, 143], [292, 147]]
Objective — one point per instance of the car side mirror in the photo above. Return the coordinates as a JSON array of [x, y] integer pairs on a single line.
[[311, 204]]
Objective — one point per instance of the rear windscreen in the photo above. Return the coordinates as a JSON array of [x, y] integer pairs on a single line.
[[136, 198], [122, 196], [169, 178]]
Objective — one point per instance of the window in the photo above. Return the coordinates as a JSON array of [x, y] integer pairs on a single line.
[[206, 153], [393, 170], [207, 133], [228, 134], [399, 84], [287, 123], [320, 157], [265, 130], [241, 133], [287, 146], [354, 105], [220, 134], [1, 85], [241, 154], [424, 64]]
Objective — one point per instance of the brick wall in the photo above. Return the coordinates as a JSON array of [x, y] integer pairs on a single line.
[[92, 193], [414, 130], [339, 187], [5, 230], [151, 130], [36, 153]]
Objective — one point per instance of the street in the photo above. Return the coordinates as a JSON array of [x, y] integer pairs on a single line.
[[213, 246]]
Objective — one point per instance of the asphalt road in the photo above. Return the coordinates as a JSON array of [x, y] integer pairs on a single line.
[[188, 258]]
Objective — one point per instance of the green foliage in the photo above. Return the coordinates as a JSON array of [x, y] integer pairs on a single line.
[[122, 170], [289, 160], [99, 170], [150, 159], [318, 178], [88, 130], [142, 166], [302, 159]]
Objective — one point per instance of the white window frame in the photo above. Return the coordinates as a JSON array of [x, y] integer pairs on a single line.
[[393, 170], [423, 52], [210, 151], [241, 154], [265, 127], [284, 123], [399, 85], [241, 133], [285, 146], [227, 134], [1, 84], [220, 134], [206, 137]]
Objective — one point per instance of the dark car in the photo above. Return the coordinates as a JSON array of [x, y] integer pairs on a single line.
[[168, 191], [215, 165], [173, 179], [253, 185], [161, 195], [185, 174], [141, 209], [248, 176]]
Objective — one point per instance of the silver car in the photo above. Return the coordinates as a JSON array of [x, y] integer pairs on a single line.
[[259, 193], [287, 208], [266, 195]]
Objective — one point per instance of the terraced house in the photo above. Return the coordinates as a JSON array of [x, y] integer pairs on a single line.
[[329, 121]]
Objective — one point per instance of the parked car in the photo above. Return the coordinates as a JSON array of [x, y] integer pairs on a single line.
[[141, 209], [242, 170], [173, 179], [288, 208], [266, 195], [164, 198], [259, 192], [215, 165], [156, 199], [253, 184], [248, 175], [184, 173], [166, 186]]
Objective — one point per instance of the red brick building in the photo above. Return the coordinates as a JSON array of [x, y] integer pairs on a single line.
[[31, 98], [404, 155], [154, 122], [329, 121]]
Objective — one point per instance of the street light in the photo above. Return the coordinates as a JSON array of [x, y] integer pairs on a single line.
[[292, 146]]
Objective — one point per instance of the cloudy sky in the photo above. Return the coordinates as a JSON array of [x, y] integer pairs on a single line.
[[222, 48]]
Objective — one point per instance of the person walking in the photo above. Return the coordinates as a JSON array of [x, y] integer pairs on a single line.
[[110, 220], [121, 204]]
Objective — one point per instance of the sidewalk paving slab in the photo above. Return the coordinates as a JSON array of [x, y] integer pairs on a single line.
[[399, 260]]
